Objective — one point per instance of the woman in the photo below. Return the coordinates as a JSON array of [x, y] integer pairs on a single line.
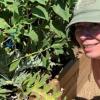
[[86, 20]]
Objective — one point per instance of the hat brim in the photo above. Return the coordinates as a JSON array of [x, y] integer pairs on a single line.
[[92, 16]]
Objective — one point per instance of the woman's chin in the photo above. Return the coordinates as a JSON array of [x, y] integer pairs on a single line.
[[92, 56]]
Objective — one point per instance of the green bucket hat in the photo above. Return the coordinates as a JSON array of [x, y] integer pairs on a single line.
[[86, 11]]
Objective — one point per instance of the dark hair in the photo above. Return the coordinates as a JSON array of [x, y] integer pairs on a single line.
[[72, 35]]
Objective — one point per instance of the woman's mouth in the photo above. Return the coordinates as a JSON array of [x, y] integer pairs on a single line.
[[89, 47]]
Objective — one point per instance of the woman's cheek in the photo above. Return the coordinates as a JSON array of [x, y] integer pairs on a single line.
[[98, 36]]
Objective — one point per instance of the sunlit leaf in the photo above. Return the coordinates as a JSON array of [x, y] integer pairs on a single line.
[[57, 45], [4, 91], [59, 51], [14, 65], [64, 13], [3, 23], [13, 7], [43, 2]]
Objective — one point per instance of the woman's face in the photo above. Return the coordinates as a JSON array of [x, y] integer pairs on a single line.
[[88, 36]]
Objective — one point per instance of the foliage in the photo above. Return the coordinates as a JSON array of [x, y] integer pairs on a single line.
[[32, 39], [20, 87]]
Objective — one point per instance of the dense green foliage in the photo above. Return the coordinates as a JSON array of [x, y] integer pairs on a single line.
[[33, 41]]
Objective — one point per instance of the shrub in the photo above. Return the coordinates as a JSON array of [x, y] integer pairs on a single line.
[[33, 40]]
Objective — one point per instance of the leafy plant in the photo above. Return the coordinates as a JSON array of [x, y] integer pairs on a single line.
[[33, 39], [25, 85]]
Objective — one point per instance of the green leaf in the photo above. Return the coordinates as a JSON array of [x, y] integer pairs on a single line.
[[44, 60], [11, 1], [14, 65], [4, 91], [33, 35], [21, 78], [64, 13], [35, 76], [32, 1], [55, 30], [13, 7], [15, 18], [40, 12], [57, 45], [59, 51], [58, 48], [43, 2], [3, 24], [47, 88], [30, 83], [11, 31], [44, 78], [41, 80], [57, 94]]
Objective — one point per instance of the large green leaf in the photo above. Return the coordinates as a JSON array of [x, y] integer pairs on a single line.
[[40, 12], [13, 7], [11, 1], [64, 13], [14, 65], [43, 2], [3, 24], [55, 30]]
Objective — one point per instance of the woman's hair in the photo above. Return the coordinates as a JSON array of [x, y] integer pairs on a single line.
[[72, 35]]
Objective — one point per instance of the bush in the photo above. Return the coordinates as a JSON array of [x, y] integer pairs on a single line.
[[33, 40]]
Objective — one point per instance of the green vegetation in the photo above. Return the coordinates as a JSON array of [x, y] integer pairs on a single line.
[[33, 43]]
